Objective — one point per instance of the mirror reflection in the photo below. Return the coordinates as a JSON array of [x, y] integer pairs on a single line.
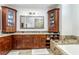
[[31, 22]]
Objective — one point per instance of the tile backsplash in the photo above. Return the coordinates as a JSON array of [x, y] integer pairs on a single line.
[[32, 31], [69, 39]]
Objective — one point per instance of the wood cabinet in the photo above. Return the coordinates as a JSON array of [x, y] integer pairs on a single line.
[[22, 41], [39, 41], [8, 19], [53, 20], [29, 41], [5, 45], [17, 41], [8, 43]]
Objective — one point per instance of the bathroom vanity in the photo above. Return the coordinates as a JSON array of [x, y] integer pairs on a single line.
[[29, 41], [23, 41]]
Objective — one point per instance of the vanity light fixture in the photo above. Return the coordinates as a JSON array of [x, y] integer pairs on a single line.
[[30, 13], [33, 13], [0, 7]]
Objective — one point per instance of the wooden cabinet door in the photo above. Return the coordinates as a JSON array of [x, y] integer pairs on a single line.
[[5, 45], [36, 43], [43, 43], [27, 41], [8, 43], [1, 45], [39, 41], [56, 24], [22, 41], [17, 42]]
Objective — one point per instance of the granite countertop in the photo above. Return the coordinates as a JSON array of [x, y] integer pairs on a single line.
[[57, 42], [31, 33], [54, 45], [20, 33], [2, 35]]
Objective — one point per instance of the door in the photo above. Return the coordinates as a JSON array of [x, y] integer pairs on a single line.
[[17, 42], [27, 41], [39, 41]]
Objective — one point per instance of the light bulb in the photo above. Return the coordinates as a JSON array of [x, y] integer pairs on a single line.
[[0, 7]]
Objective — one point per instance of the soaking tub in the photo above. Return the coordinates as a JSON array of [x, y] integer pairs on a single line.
[[71, 49]]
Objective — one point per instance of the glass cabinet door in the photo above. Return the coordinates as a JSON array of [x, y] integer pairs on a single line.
[[51, 20], [10, 17]]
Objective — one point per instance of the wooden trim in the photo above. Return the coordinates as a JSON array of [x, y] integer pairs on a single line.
[[53, 9], [9, 8]]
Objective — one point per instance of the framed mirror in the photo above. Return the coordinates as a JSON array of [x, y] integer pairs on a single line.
[[31, 22]]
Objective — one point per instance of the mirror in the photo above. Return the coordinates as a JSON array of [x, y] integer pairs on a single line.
[[31, 22]]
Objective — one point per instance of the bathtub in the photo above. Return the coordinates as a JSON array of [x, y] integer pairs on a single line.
[[72, 49]]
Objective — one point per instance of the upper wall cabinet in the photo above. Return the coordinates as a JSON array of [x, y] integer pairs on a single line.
[[8, 19], [53, 20]]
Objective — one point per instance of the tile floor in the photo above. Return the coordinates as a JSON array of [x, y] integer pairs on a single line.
[[31, 52]]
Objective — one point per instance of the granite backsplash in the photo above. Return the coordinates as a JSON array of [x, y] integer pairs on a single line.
[[68, 39]]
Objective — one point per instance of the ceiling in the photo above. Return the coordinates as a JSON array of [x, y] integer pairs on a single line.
[[32, 5]]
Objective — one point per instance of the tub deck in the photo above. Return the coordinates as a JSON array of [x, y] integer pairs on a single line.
[[71, 49]]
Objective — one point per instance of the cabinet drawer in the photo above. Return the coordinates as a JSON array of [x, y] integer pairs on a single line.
[[17, 36], [27, 36], [41, 36], [28, 45], [27, 41]]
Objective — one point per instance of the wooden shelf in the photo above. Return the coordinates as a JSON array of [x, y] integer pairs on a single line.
[[47, 43]]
